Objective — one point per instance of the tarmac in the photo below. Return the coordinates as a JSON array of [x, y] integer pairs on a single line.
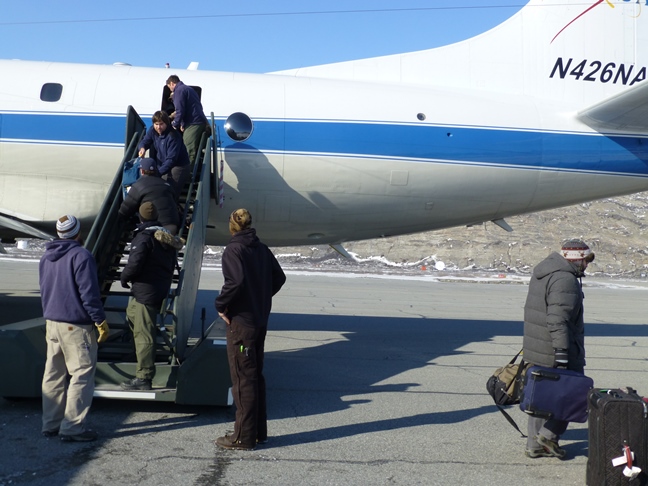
[[372, 380]]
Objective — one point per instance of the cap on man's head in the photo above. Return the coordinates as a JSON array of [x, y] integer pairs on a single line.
[[239, 220], [148, 212], [68, 227], [148, 164], [576, 250]]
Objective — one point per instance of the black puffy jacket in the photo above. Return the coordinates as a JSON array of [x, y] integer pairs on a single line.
[[155, 190], [150, 265]]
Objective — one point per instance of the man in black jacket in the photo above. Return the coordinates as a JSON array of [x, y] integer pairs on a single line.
[[151, 188], [252, 276], [554, 331], [150, 269]]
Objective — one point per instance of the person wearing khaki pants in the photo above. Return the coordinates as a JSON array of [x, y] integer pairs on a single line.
[[72, 308], [70, 348]]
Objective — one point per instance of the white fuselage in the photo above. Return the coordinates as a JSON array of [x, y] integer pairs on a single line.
[[333, 160]]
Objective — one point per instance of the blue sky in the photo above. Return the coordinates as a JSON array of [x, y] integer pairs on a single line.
[[251, 36]]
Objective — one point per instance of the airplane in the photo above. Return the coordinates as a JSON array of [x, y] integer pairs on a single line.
[[548, 109]]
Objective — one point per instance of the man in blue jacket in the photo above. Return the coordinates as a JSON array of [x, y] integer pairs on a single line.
[[168, 150], [252, 276], [189, 116], [72, 308]]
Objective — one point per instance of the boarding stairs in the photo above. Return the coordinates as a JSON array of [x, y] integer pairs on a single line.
[[191, 361]]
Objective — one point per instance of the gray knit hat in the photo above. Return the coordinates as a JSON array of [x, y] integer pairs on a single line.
[[68, 227]]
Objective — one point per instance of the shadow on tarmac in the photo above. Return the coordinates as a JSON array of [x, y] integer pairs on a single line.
[[21, 307], [375, 349], [37, 460], [312, 375]]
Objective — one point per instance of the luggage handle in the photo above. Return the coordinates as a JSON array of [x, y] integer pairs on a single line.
[[544, 375], [543, 414], [627, 390], [595, 397]]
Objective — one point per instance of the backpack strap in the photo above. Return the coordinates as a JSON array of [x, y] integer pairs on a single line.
[[517, 380], [516, 383], [510, 420], [516, 356]]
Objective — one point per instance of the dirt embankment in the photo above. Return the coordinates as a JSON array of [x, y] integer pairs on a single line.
[[615, 228]]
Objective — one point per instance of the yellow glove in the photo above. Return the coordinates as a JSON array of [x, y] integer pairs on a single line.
[[104, 330]]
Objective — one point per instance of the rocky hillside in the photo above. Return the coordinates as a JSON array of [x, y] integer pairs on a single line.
[[615, 228]]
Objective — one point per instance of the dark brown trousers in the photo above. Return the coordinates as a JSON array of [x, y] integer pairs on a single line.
[[245, 347]]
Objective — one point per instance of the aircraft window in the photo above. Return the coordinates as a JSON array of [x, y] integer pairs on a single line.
[[238, 127], [51, 92]]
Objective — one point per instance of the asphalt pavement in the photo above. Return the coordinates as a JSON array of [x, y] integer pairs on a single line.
[[371, 381]]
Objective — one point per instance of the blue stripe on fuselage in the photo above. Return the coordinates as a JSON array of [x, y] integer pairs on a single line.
[[500, 147], [466, 145], [57, 128]]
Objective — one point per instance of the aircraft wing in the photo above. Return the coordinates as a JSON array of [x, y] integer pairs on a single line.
[[21, 227], [627, 111]]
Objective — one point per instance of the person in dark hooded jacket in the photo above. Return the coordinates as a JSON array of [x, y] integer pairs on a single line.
[[554, 331], [150, 268], [150, 188], [252, 276]]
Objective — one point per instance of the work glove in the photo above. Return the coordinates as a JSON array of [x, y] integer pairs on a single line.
[[561, 358], [104, 330]]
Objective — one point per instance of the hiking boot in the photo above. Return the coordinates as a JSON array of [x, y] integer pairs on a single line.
[[136, 384], [260, 440], [551, 447], [227, 443], [87, 436], [534, 453], [50, 433]]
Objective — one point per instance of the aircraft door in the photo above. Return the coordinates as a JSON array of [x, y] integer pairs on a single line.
[[167, 101], [217, 165], [134, 126], [167, 104]]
